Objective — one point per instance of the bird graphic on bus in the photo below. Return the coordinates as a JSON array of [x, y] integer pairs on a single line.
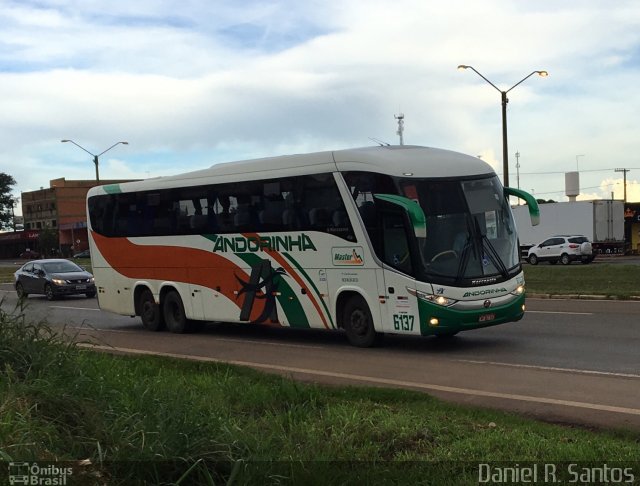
[[263, 285]]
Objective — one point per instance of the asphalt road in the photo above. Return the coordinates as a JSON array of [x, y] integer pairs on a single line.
[[567, 361]]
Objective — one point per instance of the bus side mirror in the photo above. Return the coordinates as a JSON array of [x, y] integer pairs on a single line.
[[534, 209], [412, 208]]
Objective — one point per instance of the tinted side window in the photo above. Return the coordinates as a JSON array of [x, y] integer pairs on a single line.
[[363, 185], [548, 242], [303, 203], [578, 239], [395, 244]]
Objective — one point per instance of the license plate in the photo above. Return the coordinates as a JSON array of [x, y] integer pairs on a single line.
[[81, 287], [487, 317]]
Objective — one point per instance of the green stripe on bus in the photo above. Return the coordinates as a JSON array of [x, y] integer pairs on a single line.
[[300, 269], [288, 299], [112, 189]]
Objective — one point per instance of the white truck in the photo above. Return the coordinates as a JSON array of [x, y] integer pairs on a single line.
[[602, 221]]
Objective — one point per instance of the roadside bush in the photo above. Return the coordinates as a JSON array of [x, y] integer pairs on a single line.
[[28, 350]]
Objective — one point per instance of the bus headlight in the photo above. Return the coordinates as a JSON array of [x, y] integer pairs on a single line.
[[434, 299], [519, 290]]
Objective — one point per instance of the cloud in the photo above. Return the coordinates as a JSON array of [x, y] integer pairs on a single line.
[[193, 83]]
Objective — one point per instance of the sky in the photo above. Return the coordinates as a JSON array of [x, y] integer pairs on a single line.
[[192, 83]]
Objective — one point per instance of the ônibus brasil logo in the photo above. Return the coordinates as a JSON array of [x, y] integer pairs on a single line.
[[38, 474], [347, 256]]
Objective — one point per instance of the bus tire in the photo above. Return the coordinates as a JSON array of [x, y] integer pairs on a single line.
[[358, 323], [150, 314], [173, 312]]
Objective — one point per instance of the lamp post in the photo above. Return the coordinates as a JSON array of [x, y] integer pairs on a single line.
[[95, 157], [624, 174], [505, 100], [518, 172]]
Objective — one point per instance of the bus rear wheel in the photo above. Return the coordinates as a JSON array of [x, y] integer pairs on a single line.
[[173, 312], [150, 312], [358, 323]]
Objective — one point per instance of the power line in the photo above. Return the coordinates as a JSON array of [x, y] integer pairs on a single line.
[[565, 171], [582, 188]]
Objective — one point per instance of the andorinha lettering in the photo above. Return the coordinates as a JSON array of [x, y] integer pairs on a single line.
[[477, 293], [241, 244]]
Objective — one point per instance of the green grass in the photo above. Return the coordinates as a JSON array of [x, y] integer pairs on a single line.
[[146, 420], [6, 274], [615, 280]]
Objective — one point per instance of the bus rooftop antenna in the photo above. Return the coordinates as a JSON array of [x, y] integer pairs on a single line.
[[380, 142]]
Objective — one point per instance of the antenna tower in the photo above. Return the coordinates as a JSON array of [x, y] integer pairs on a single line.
[[400, 131]]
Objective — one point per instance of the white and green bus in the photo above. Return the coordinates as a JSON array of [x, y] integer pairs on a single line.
[[379, 240]]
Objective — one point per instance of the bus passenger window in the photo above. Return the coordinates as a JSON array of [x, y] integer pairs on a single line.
[[396, 244]]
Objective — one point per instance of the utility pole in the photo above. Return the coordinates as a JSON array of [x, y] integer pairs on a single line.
[[624, 177], [518, 172], [400, 130]]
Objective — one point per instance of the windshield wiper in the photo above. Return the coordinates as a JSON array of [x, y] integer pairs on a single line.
[[491, 251], [464, 256]]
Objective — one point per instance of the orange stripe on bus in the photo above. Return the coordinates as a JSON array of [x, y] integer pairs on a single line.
[[178, 264]]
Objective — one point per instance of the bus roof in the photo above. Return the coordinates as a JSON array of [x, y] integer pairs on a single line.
[[395, 160], [398, 160]]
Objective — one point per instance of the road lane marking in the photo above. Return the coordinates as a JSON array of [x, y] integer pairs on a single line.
[[381, 381], [74, 308], [551, 368], [254, 341], [561, 312], [87, 328]]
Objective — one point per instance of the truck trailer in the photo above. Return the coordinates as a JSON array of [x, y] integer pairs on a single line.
[[602, 221]]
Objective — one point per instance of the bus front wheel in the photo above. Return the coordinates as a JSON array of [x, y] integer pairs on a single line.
[[150, 312], [173, 312], [358, 323]]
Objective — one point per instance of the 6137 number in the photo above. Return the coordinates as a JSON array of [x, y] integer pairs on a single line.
[[403, 322]]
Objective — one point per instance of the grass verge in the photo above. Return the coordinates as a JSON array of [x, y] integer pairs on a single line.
[[146, 420], [614, 280]]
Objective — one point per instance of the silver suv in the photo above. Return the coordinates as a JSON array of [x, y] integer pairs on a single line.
[[563, 249]]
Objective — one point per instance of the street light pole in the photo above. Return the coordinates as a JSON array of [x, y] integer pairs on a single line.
[[518, 172], [504, 100], [624, 175], [95, 157]]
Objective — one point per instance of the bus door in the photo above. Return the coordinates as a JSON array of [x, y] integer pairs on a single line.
[[398, 253], [198, 295]]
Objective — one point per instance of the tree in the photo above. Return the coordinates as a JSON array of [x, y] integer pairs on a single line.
[[7, 200], [48, 242]]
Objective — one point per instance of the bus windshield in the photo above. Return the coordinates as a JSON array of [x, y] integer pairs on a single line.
[[470, 229]]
